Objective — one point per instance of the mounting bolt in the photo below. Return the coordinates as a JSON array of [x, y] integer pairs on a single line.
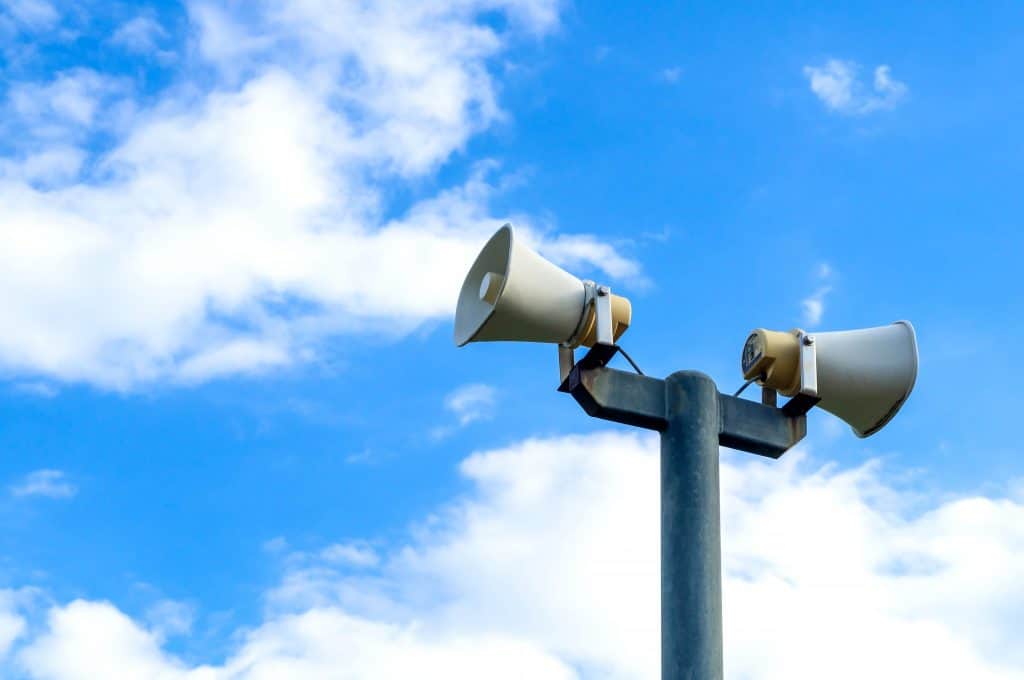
[[808, 339]]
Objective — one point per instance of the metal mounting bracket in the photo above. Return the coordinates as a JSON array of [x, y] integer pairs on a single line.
[[603, 313], [597, 357], [600, 298], [807, 397], [566, 360], [808, 365]]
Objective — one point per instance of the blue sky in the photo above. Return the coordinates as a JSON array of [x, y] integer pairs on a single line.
[[237, 434]]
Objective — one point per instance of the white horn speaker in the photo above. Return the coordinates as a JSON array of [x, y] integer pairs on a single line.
[[512, 293], [862, 376]]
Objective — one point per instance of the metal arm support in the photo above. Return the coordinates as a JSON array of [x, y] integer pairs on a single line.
[[619, 396], [639, 401], [758, 428]]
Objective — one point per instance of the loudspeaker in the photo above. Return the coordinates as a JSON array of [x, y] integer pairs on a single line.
[[512, 293], [862, 376]]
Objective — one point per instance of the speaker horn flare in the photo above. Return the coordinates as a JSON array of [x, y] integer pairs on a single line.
[[862, 376], [512, 293]]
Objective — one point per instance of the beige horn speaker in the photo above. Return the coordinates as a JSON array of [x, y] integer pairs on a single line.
[[512, 293], [862, 376]]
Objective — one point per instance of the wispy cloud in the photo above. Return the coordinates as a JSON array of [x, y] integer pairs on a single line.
[[64, 109], [814, 304], [367, 456], [277, 544], [837, 84], [141, 35], [169, 618], [12, 621], [671, 75], [36, 14], [37, 388], [470, 403], [350, 554], [46, 483]]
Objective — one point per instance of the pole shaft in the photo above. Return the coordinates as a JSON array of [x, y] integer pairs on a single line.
[[691, 553]]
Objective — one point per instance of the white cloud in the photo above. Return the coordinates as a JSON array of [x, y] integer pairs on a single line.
[[141, 34], [671, 74], [87, 640], [47, 483], [576, 250], [12, 623], [353, 554], [95, 640], [168, 618], [232, 227], [549, 569], [234, 356], [64, 107], [889, 90], [837, 85], [277, 544], [814, 304], [350, 554], [50, 166], [364, 457], [37, 388], [471, 402], [35, 14], [1015, 486]]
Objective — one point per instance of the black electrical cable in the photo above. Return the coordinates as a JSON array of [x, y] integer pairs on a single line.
[[746, 385], [630, 360]]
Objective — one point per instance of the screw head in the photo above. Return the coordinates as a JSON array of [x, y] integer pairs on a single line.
[[808, 339]]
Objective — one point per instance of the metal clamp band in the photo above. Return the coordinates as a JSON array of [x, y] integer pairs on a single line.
[[589, 295]]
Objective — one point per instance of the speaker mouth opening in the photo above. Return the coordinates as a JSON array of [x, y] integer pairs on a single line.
[[891, 413], [472, 312]]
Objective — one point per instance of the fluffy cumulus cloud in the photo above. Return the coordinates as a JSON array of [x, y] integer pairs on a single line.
[[838, 85], [548, 568], [232, 221]]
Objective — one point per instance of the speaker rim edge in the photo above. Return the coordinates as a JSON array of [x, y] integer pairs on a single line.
[[501, 291], [906, 395]]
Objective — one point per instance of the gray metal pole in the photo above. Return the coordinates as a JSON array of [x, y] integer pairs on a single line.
[[693, 419], [691, 552]]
